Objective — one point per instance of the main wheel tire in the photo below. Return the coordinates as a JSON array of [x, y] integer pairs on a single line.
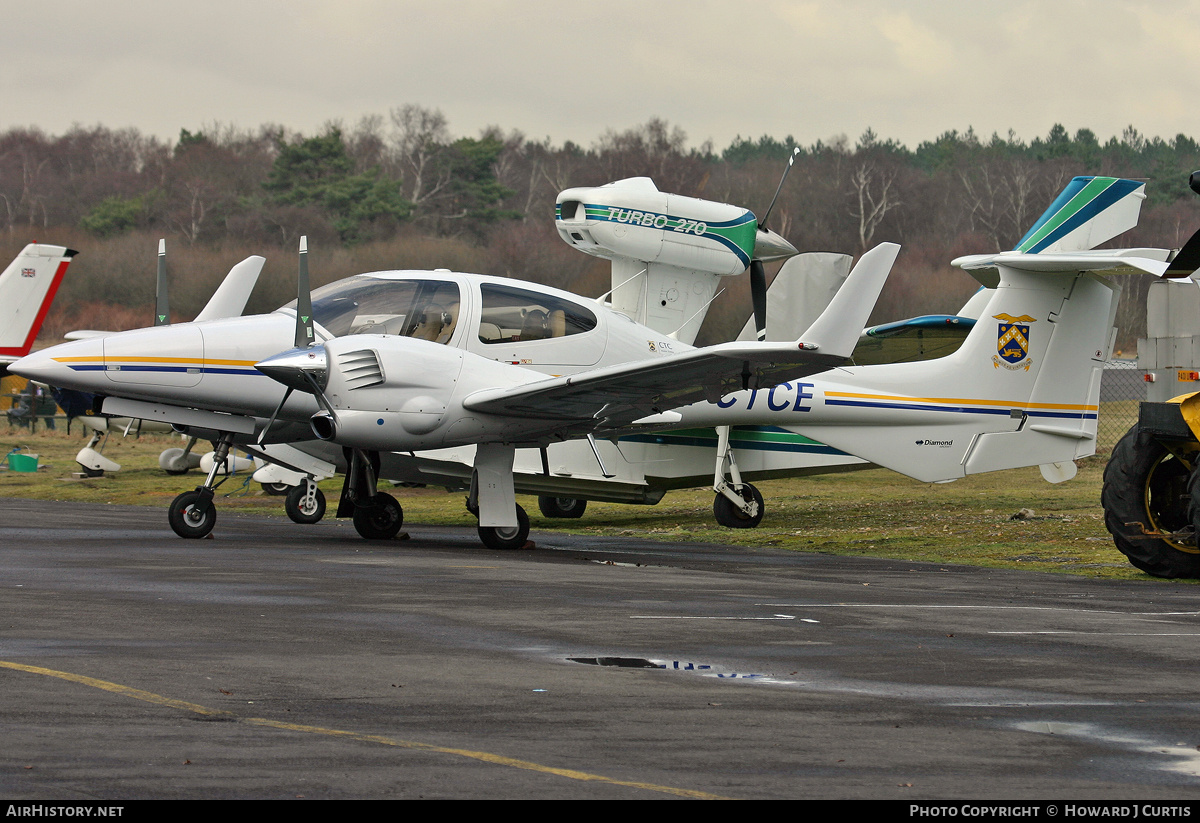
[[731, 517], [381, 520], [189, 520], [561, 507], [504, 538], [1146, 485], [277, 489], [300, 509]]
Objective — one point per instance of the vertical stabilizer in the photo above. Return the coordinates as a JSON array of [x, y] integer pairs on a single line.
[[1090, 211], [27, 287]]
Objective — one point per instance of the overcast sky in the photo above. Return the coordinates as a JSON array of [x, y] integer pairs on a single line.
[[571, 70]]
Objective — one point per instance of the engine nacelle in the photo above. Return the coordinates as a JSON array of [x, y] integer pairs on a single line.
[[668, 252], [633, 219], [374, 430]]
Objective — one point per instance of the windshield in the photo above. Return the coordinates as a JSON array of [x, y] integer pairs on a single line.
[[425, 309]]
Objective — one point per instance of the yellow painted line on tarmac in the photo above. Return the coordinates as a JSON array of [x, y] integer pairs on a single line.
[[486, 757]]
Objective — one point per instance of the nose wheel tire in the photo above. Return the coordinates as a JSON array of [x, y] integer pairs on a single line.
[[381, 519], [302, 510], [504, 538], [191, 517], [731, 517]]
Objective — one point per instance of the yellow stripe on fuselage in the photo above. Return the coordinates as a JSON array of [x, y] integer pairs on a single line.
[[959, 401], [200, 360]]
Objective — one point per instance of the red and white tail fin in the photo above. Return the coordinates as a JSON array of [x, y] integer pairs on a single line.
[[27, 287]]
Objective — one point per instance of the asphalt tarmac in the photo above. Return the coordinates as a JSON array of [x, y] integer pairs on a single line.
[[286, 661]]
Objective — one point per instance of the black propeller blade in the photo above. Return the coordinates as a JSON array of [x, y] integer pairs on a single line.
[[295, 372], [758, 274], [779, 188], [162, 309], [1187, 260], [758, 294], [304, 321]]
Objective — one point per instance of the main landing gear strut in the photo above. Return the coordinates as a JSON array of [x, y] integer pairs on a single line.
[[377, 515], [502, 523], [737, 505]]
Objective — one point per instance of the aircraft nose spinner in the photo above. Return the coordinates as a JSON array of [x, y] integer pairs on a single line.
[[769, 246], [295, 367]]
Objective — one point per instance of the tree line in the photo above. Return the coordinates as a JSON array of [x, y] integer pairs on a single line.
[[400, 190]]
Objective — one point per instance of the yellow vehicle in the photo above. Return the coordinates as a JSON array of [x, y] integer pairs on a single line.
[[1151, 493]]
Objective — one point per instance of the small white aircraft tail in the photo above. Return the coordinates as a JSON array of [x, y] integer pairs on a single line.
[[1024, 387], [27, 288]]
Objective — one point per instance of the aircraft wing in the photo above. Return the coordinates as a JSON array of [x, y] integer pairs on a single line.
[[619, 395], [616, 396]]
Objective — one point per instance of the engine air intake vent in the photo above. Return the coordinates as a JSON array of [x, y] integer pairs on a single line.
[[361, 368]]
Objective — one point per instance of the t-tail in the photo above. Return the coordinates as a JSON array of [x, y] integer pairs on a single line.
[[1024, 387], [27, 287]]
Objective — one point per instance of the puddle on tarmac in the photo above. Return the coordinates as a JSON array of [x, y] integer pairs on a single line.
[[1178, 756], [702, 669]]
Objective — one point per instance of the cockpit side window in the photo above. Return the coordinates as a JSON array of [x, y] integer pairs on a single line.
[[425, 309], [512, 315]]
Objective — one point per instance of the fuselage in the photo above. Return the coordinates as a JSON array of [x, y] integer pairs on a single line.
[[211, 365]]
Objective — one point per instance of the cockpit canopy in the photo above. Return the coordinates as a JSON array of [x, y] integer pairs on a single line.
[[426, 309], [513, 315], [430, 309]]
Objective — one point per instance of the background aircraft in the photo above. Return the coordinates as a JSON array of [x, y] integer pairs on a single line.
[[27, 288]]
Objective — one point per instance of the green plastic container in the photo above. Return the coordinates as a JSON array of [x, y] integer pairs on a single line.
[[22, 462]]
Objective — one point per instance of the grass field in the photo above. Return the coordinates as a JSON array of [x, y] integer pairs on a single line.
[[873, 513]]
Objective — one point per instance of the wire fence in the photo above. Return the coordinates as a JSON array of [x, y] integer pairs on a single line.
[[1122, 388]]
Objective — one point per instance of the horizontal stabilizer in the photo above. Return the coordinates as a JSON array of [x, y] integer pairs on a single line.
[[1111, 261]]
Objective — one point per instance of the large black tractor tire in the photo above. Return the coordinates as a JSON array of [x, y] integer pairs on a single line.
[[1145, 485], [731, 517], [190, 518], [561, 507], [505, 539], [300, 510], [381, 520]]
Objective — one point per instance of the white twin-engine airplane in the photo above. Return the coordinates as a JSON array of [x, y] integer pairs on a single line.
[[408, 361], [404, 361], [27, 288]]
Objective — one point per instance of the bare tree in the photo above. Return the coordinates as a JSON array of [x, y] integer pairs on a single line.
[[420, 138], [874, 197]]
